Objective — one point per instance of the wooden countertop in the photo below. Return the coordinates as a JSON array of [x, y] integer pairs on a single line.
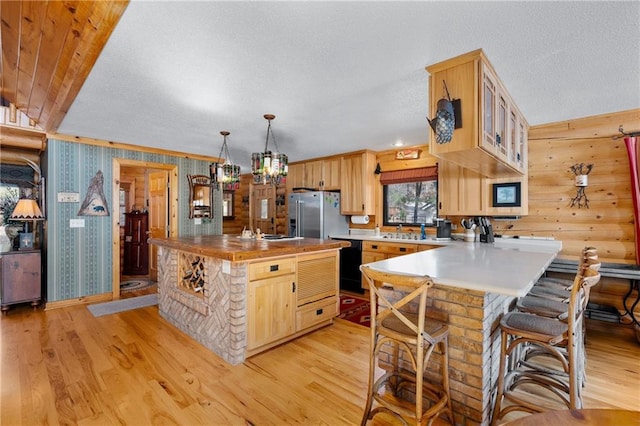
[[235, 249]]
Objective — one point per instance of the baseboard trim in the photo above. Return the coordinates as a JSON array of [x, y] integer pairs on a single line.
[[85, 300]]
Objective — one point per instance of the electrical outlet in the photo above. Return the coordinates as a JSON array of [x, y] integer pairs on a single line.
[[454, 226]]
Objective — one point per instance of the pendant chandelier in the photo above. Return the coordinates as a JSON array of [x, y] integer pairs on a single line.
[[225, 173], [269, 167]]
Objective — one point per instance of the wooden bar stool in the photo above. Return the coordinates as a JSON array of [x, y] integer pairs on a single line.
[[557, 339], [589, 256], [550, 298], [402, 327]]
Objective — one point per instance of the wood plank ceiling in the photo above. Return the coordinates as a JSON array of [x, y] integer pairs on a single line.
[[48, 49]]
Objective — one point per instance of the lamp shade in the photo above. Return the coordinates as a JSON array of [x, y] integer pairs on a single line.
[[27, 210]]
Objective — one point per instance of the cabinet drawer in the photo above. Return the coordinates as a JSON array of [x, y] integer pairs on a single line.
[[423, 247], [317, 312], [390, 248], [272, 268]]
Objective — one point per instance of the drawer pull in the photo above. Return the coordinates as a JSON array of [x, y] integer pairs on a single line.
[[403, 249], [375, 246], [274, 268], [319, 311]]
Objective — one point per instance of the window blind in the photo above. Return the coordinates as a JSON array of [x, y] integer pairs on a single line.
[[409, 175]]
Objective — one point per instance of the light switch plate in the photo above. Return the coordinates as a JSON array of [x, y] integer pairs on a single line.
[[197, 221], [76, 223]]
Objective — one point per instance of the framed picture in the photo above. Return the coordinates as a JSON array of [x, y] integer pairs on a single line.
[[506, 194], [26, 240]]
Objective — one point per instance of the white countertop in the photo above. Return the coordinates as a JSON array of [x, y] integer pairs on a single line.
[[508, 266], [383, 237]]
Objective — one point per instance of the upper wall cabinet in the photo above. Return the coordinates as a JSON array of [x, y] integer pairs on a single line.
[[317, 174], [357, 184], [492, 139], [464, 192]]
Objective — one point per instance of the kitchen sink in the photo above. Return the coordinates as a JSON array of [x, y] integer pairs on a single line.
[[276, 237]]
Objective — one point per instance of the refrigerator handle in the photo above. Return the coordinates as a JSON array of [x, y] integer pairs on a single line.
[[299, 218]]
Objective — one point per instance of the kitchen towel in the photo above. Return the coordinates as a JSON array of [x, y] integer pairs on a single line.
[[360, 220]]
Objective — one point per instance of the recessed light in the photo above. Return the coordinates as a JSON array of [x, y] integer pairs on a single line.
[[398, 143]]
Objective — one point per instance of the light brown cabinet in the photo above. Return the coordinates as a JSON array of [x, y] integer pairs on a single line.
[[289, 296], [492, 140], [295, 176], [373, 251], [358, 183], [463, 192], [318, 286], [270, 301], [20, 278], [317, 174]]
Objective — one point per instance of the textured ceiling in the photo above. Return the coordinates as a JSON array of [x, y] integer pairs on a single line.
[[342, 76]]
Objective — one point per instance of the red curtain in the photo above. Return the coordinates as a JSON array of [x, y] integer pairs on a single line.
[[632, 151]]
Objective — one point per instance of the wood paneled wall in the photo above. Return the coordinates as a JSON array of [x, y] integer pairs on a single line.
[[136, 178], [241, 209], [608, 223]]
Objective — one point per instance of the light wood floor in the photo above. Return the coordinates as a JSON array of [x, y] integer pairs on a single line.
[[65, 366]]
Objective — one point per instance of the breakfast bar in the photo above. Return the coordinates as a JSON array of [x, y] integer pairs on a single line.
[[475, 284], [239, 297]]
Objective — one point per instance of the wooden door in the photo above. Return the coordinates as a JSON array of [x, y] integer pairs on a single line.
[[295, 178], [357, 184], [313, 174], [263, 211], [331, 174], [158, 214], [351, 200], [270, 310], [136, 249]]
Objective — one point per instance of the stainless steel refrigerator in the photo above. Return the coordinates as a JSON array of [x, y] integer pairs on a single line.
[[316, 214]]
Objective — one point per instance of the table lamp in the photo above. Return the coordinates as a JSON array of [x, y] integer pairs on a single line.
[[27, 210]]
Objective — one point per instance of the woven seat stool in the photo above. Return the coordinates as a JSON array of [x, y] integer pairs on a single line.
[[558, 291], [560, 340], [550, 298], [402, 328], [588, 256]]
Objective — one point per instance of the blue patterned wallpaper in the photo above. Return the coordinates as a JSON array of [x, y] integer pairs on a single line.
[[79, 260]]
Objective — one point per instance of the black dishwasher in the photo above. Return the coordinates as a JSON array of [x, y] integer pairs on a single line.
[[350, 260]]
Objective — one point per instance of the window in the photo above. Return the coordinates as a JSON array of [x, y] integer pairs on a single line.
[[410, 197]]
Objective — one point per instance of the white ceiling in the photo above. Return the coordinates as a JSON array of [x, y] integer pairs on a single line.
[[342, 76]]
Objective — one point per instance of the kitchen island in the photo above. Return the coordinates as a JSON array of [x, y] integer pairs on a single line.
[[475, 284], [239, 297]]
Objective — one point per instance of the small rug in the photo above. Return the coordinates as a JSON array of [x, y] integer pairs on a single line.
[[355, 309], [116, 306], [135, 285]]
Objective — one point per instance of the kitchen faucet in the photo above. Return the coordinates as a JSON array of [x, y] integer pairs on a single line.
[[398, 231]]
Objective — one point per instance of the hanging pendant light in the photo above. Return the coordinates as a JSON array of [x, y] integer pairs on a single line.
[[269, 167], [225, 172]]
